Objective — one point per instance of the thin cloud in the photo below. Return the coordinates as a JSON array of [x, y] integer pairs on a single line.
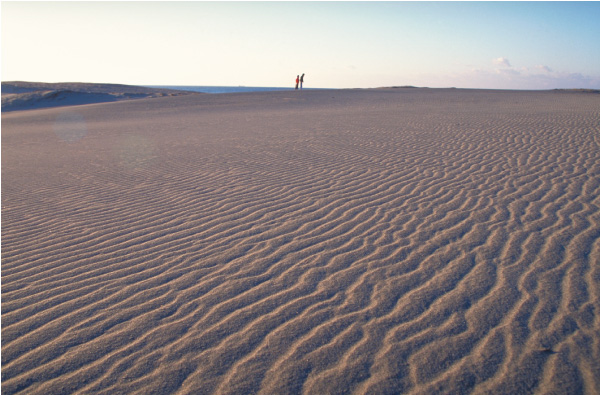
[[508, 71], [543, 69], [501, 61], [535, 78], [502, 75]]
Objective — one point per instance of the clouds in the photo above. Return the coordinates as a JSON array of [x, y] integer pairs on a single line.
[[540, 76], [503, 66], [501, 61], [543, 69], [504, 73]]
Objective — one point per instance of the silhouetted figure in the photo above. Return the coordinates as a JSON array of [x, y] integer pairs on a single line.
[[301, 80]]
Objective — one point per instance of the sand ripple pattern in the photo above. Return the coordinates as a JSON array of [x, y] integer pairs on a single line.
[[369, 242]]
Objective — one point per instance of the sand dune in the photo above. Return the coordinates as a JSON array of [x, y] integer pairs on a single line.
[[20, 95], [358, 241]]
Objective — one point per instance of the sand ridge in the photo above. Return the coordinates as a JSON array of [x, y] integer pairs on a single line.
[[22, 95], [353, 241]]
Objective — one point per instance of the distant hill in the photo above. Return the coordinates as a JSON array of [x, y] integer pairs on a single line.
[[21, 95], [579, 90]]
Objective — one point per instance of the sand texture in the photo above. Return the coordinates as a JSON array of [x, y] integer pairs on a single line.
[[388, 241]]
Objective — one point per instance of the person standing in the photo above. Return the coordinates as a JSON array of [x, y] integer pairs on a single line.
[[297, 80], [301, 80]]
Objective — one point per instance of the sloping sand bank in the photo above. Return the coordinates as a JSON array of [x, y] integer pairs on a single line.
[[21, 95], [362, 241]]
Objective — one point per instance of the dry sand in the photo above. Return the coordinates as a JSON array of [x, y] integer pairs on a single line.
[[358, 241]]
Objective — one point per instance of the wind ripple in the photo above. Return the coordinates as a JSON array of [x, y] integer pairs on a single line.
[[431, 242]]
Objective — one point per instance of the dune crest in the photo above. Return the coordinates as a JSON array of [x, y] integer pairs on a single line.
[[360, 241]]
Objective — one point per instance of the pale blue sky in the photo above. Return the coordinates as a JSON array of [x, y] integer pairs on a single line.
[[501, 45]]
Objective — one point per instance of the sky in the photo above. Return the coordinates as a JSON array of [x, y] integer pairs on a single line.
[[496, 45]]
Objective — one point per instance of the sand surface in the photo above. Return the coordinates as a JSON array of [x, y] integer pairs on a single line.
[[321, 242]]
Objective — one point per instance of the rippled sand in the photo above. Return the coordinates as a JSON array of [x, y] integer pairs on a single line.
[[358, 241]]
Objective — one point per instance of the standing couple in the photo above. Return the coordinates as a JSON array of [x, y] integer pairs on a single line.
[[299, 79]]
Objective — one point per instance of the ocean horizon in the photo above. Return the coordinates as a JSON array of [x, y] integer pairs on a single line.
[[225, 89]]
